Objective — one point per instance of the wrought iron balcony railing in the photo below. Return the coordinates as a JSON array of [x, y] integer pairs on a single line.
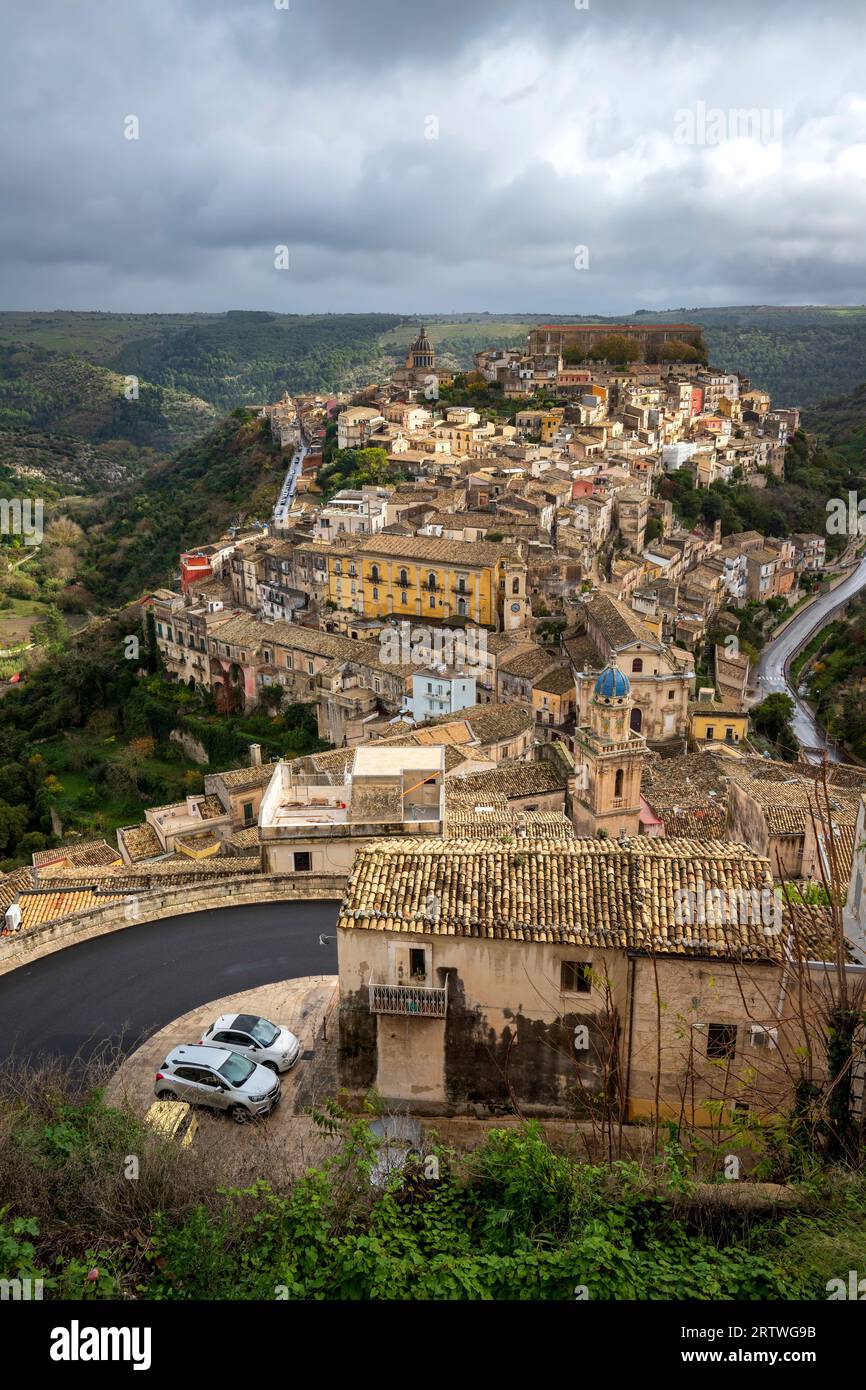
[[413, 1001]]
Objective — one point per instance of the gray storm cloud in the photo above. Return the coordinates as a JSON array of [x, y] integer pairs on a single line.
[[430, 156]]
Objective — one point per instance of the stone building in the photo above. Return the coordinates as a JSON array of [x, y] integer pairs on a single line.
[[545, 974]]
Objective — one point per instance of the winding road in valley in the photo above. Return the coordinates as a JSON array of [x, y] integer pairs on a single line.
[[773, 667], [118, 989]]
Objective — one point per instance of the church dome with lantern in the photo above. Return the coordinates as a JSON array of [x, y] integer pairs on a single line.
[[612, 685]]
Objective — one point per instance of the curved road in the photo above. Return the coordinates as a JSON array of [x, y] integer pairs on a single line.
[[772, 674], [121, 988]]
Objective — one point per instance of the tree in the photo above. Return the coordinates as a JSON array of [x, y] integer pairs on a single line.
[[616, 348], [772, 718]]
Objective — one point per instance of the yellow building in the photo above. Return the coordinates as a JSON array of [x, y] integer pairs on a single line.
[[543, 423], [438, 581], [714, 724]]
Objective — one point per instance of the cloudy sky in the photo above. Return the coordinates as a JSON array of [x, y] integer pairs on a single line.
[[418, 157]]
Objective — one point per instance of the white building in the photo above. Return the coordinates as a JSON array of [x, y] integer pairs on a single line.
[[354, 513], [440, 690]]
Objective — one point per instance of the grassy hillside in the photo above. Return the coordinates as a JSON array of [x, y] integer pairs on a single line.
[[61, 392]]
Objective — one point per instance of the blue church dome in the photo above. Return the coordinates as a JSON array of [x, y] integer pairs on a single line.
[[612, 684]]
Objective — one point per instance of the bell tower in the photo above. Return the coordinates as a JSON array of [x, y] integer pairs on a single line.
[[609, 759]]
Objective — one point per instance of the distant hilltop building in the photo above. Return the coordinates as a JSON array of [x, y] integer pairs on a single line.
[[552, 339], [420, 371]]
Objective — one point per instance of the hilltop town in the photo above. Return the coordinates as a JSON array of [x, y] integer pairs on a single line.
[[533, 679]]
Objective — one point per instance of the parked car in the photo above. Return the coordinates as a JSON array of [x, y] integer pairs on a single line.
[[398, 1139], [219, 1078], [255, 1038], [175, 1119]]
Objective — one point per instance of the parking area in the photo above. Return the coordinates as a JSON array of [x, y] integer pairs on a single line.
[[288, 1140]]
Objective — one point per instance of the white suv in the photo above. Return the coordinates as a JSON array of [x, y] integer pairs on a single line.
[[218, 1078], [255, 1038]]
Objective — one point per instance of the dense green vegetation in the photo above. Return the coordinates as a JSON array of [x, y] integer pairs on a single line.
[[799, 354], [511, 1220], [837, 678], [134, 538], [814, 473], [357, 468], [63, 393]]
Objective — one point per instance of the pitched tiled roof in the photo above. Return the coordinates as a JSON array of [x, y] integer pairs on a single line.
[[618, 623], [602, 893], [77, 852], [556, 682], [465, 823], [241, 777], [491, 723], [427, 549], [698, 823], [13, 884], [527, 664], [140, 842], [513, 779]]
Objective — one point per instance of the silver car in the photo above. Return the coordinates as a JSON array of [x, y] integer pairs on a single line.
[[255, 1038], [219, 1078]]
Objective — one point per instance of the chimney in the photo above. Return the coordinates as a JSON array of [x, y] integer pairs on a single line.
[[255, 755]]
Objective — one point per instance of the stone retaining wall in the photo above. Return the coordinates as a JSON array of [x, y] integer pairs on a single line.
[[26, 946]]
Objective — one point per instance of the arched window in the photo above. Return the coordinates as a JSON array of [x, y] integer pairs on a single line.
[[637, 664], [461, 607], [636, 720], [374, 574], [617, 783], [431, 580], [404, 578]]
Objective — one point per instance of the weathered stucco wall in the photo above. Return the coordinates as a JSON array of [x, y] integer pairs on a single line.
[[509, 1029]]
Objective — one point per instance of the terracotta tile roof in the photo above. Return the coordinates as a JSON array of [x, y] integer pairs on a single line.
[[699, 823], [465, 823], [244, 840], [621, 895], [140, 842], [210, 807], [619, 624], [242, 777], [77, 852], [556, 682], [13, 884], [43, 905], [582, 651], [468, 554], [513, 779], [527, 664], [492, 723]]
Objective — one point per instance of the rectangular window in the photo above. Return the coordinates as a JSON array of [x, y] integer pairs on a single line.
[[575, 977], [721, 1041], [711, 732], [418, 963], [303, 861], [248, 813]]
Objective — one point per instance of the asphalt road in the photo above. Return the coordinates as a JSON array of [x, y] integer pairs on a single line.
[[773, 666], [120, 988]]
